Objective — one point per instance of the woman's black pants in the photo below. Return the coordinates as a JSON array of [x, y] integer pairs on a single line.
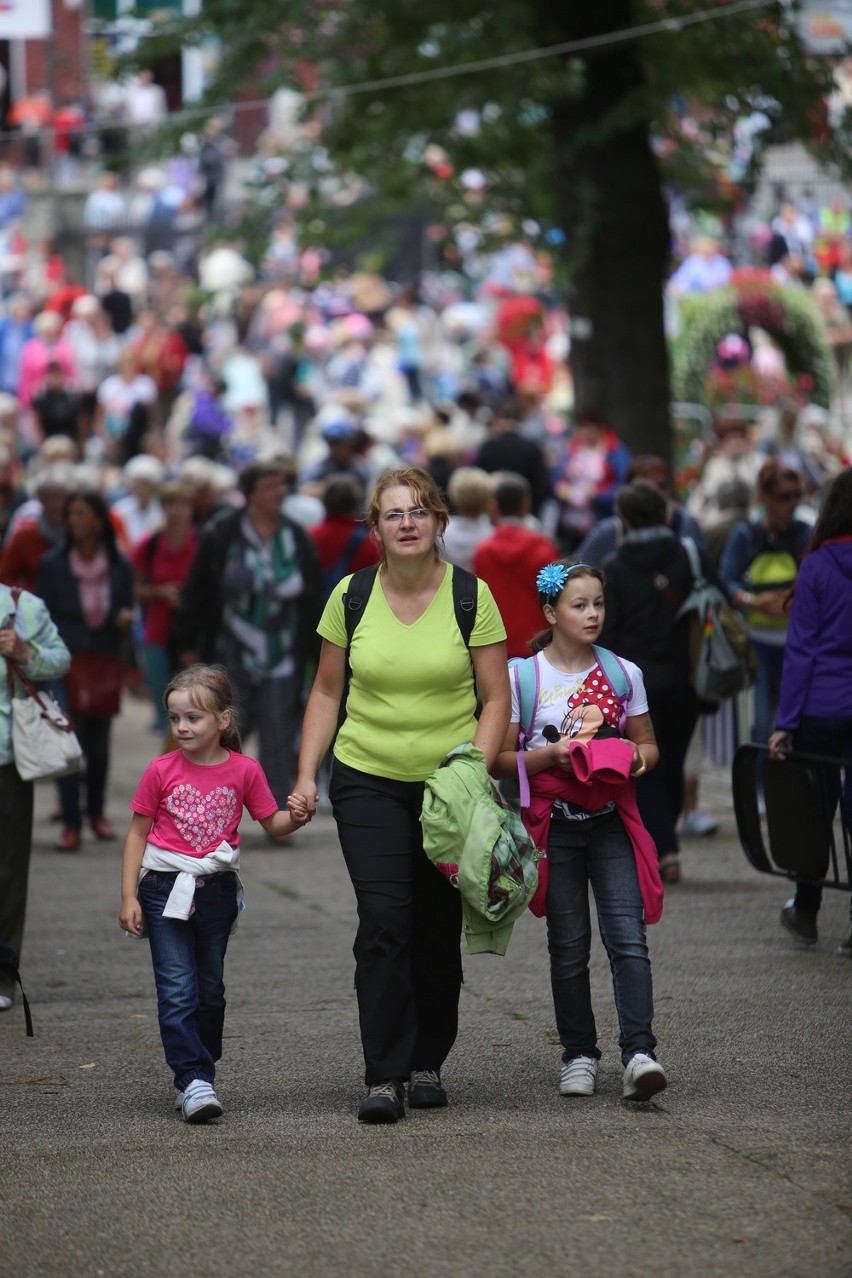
[[408, 969]]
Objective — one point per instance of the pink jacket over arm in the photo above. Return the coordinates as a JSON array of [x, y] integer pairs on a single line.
[[601, 775]]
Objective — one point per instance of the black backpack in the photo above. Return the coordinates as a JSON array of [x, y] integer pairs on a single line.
[[465, 588]]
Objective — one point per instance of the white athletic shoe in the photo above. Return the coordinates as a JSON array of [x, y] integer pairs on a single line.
[[200, 1102], [643, 1077], [579, 1076]]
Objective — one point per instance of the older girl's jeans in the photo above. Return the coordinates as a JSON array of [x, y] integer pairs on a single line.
[[597, 852], [188, 956]]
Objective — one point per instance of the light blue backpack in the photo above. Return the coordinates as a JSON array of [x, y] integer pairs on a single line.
[[523, 671]]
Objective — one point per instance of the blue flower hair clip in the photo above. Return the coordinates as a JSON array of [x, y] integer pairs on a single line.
[[551, 579]]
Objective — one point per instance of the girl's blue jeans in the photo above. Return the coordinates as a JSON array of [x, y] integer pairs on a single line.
[[188, 956], [597, 852]]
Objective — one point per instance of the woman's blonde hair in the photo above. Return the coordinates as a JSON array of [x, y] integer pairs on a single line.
[[209, 688]]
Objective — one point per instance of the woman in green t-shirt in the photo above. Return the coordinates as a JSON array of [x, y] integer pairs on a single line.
[[410, 701]]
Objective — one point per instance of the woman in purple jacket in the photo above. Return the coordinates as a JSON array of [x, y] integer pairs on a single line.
[[815, 705]]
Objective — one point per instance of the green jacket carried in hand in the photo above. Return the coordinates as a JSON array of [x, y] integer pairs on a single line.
[[480, 846]]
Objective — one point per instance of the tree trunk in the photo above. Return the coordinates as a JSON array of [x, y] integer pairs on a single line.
[[616, 223]]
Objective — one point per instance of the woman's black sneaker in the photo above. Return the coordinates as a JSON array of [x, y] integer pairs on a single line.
[[384, 1103], [425, 1090]]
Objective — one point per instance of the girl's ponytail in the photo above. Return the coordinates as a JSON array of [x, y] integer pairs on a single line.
[[543, 639]]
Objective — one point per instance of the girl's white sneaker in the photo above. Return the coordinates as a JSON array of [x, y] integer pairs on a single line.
[[579, 1076], [200, 1102], [643, 1077]]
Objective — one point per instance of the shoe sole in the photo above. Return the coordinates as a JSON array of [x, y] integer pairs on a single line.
[[575, 1091], [204, 1114], [439, 1103], [649, 1084], [383, 1115]]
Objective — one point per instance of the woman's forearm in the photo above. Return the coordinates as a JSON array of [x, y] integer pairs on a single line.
[[318, 730], [491, 729]]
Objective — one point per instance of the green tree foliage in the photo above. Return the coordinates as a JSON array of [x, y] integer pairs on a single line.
[[409, 98]]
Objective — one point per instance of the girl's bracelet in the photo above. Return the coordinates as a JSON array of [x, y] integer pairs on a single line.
[[642, 768]]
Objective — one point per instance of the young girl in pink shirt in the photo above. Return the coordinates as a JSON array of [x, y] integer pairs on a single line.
[[179, 876]]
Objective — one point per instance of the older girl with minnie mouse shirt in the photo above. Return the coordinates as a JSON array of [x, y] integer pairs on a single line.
[[588, 737]]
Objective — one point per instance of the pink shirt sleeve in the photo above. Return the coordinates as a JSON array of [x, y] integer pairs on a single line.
[[195, 807], [258, 798], [146, 800]]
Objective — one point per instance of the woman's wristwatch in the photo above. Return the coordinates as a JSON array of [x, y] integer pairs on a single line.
[[642, 768]]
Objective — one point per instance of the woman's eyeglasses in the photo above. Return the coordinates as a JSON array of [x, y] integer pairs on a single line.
[[417, 513], [787, 496]]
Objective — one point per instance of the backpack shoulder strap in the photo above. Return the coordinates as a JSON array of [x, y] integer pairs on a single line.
[[354, 602], [465, 594], [525, 676], [355, 598], [616, 672], [694, 559]]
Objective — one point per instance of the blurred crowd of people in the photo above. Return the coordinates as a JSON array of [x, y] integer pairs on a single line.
[[214, 400]]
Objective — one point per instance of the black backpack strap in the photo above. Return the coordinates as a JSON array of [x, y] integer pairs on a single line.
[[355, 599], [354, 603], [465, 594]]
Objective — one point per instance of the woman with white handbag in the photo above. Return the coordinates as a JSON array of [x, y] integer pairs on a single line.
[[30, 640]]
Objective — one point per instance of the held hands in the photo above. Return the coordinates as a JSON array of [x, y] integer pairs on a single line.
[[305, 792], [130, 916], [300, 813]]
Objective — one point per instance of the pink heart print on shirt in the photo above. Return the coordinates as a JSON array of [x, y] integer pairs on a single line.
[[202, 819]]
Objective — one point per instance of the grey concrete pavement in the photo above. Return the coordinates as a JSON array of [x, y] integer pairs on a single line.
[[741, 1167]]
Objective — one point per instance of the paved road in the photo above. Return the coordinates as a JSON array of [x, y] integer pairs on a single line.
[[741, 1168]]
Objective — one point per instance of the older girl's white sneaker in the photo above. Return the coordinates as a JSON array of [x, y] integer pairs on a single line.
[[643, 1077], [579, 1076]]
